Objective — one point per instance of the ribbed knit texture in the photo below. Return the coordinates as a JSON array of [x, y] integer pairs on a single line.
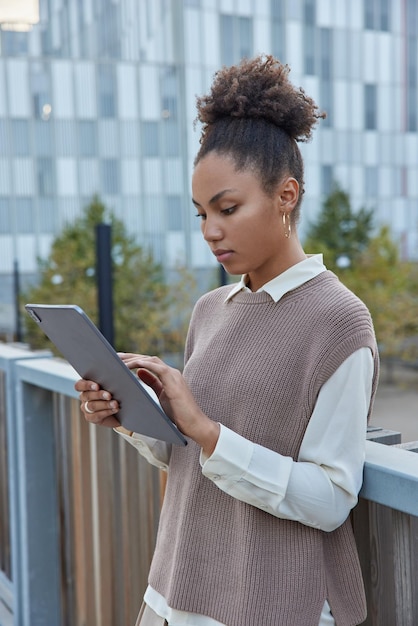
[[257, 367]]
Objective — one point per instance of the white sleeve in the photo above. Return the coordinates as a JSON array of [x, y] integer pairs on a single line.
[[321, 487], [154, 451]]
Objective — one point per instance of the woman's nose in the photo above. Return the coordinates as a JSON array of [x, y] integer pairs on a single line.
[[211, 230]]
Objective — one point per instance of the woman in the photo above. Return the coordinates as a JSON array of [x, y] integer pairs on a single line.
[[280, 373]]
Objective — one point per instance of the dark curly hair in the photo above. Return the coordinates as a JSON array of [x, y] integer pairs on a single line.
[[254, 114]]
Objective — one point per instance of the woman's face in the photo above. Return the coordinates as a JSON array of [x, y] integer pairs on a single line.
[[242, 225]]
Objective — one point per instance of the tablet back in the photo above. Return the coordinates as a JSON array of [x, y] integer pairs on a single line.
[[91, 355]]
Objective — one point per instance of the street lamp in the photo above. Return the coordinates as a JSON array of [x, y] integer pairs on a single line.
[[18, 15]]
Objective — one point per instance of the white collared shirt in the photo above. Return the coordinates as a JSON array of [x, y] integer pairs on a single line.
[[293, 277], [321, 487]]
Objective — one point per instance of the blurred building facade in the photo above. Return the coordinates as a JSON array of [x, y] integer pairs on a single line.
[[99, 97]]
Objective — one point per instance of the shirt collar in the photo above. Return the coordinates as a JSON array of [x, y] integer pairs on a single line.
[[293, 277]]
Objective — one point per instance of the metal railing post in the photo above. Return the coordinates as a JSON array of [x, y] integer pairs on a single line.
[[9, 355], [38, 595]]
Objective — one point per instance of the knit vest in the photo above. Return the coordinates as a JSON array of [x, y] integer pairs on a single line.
[[257, 367]]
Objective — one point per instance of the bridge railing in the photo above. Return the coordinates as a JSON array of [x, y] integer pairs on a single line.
[[79, 511]]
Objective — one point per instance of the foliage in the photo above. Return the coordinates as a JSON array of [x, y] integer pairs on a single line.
[[339, 233], [182, 297], [140, 294], [373, 270], [389, 287]]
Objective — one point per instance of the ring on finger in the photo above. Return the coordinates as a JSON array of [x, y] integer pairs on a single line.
[[86, 408]]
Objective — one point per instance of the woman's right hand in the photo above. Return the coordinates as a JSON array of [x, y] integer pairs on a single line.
[[97, 404]]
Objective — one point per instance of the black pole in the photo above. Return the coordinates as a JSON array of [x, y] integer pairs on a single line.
[[105, 280], [16, 294]]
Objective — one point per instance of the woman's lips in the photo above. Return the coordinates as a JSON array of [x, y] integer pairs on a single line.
[[222, 255]]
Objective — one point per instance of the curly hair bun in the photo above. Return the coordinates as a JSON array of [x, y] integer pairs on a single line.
[[259, 88]]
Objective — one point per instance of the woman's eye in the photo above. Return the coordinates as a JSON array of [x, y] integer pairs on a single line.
[[229, 210], [201, 215]]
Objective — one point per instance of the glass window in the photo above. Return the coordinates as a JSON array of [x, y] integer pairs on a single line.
[[377, 14], [169, 104], [310, 37], [4, 137], [46, 40], [41, 91], [150, 139], [277, 9], [245, 37], [412, 80], [25, 220], [309, 11], [278, 41], [13, 44], [412, 99], [5, 216], [327, 104], [47, 215], [278, 36], [412, 17], [370, 181], [326, 53], [309, 56], [108, 138], [412, 62], [327, 179], [87, 138], [106, 81], [368, 8], [384, 15], [236, 38], [46, 177], [227, 39], [400, 181], [171, 138], [65, 138], [169, 93], [370, 107], [110, 176], [20, 137], [108, 29], [129, 138], [174, 212], [43, 138]]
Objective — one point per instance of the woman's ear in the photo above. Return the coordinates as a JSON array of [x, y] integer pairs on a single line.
[[288, 194]]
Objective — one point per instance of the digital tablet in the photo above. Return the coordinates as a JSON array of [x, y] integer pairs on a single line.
[[91, 355]]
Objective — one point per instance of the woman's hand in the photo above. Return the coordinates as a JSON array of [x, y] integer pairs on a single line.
[[175, 398], [97, 404]]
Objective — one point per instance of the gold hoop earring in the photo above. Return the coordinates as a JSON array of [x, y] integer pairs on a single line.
[[286, 224]]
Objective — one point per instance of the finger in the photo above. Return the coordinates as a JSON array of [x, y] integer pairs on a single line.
[[86, 385], [133, 361], [151, 363], [150, 379], [99, 407], [89, 396], [103, 419]]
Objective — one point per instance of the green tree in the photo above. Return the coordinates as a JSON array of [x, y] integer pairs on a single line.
[[372, 268], [389, 288], [140, 294], [183, 294], [339, 233]]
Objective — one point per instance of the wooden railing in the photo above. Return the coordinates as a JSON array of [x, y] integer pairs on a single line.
[[79, 511], [386, 527], [84, 505]]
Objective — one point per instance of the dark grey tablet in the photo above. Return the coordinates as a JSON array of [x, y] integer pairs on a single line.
[[92, 356]]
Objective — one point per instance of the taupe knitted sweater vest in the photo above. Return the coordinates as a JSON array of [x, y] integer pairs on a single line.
[[257, 367]]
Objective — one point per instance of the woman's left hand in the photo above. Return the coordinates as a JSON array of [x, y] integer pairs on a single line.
[[176, 398]]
